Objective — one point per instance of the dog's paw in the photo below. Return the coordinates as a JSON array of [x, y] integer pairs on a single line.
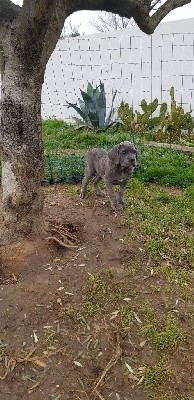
[[122, 204], [117, 207], [83, 195]]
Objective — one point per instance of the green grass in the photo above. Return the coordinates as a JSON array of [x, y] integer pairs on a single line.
[[68, 169], [155, 375], [167, 226], [165, 335], [59, 135], [126, 316], [166, 166]]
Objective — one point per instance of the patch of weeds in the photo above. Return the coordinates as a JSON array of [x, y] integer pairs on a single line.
[[162, 222], [155, 289], [171, 396], [156, 248], [126, 316], [164, 197], [179, 276], [166, 335], [50, 336], [89, 308], [169, 289], [155, 375], [148, 312], [73, 189], [97, 286], [120, 291], [69, 311], [107, 273], [95, 296]]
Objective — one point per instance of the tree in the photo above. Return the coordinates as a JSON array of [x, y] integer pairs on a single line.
[[70, 30], [28, 35], [105, 22]]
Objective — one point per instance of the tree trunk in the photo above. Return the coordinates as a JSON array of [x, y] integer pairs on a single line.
[[21, 152]]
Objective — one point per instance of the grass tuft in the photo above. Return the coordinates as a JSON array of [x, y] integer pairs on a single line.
[[166, 335], [156, 375]]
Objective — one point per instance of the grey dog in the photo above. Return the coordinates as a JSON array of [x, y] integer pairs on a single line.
[[114, 167]]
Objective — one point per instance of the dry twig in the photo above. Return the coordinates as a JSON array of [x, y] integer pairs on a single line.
[[99, 394], [110, 364]]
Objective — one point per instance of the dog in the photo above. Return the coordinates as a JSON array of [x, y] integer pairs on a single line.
[[114, 167]]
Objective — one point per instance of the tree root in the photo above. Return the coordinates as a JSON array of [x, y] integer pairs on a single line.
[[59, 233], [110, 364], [60, 242]]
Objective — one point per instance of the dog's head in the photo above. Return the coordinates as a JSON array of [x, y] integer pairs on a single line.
[[124, 154]]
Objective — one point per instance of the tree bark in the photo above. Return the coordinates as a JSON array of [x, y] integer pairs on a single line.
[[26, 45], [21, 151]]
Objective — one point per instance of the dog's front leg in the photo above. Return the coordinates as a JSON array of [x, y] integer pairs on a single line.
[[121, 193], [112, 195]]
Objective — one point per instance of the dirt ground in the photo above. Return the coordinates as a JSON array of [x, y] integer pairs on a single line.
[[51, 345]]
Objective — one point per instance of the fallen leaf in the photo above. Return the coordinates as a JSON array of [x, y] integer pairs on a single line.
[[140, 381], [39, 363], [137, 318], [59, 301], [142, 344], [129, 368], [78, 364], [35, 337]]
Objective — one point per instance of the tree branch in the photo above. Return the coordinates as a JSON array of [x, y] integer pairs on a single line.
[[8, 11], [163, 10], [138, 9]]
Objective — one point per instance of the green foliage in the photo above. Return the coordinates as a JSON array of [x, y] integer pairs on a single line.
[[175, 121], [58, 135], [156, 374], [166, 166], [166, 335], [69, 169], [92, 108], [142, 122], [167, 229], [126, 316], [174, 126]]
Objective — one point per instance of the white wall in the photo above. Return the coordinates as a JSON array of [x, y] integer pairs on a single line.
[[136, 65]]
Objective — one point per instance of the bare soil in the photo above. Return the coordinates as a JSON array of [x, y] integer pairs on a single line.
[[46, 352]]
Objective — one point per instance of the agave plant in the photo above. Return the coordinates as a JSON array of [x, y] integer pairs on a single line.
[[92, 108]]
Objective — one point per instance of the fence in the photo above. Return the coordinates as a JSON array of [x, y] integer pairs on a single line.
[[136, 65]]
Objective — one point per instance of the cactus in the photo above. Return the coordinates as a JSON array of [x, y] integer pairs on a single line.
[[167, 126], [141, 122], [125, 113], [176, 121]]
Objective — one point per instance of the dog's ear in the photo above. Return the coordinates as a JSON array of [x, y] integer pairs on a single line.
[[114, 154]]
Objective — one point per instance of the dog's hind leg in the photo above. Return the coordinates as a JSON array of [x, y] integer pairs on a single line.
[[88, 175], [112, 196]]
